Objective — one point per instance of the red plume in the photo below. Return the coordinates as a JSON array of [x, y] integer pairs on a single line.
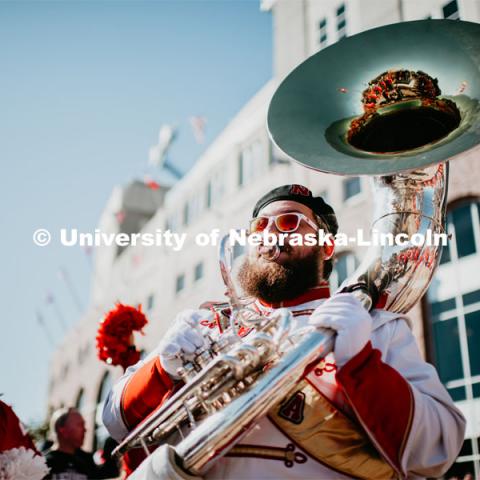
[[115, 335]]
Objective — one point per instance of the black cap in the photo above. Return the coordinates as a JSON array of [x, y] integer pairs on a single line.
[[300, 194]]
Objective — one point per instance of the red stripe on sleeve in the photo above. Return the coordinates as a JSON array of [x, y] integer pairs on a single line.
[[381, 398], [144, 392]]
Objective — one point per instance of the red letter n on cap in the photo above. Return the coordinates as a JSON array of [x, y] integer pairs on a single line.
[[300, 190]]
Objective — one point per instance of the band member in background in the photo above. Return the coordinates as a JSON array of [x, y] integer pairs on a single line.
[[66, 459], [373, 408]]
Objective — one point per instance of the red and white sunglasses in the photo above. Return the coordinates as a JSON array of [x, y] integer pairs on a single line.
[[285, 222]]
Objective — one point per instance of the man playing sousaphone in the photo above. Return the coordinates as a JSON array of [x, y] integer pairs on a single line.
[[363, 404], [373, 408]]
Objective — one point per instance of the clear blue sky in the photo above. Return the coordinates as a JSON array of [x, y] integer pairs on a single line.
[[84, 88]]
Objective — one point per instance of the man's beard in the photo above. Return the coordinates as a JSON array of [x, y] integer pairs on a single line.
[[274, 283]]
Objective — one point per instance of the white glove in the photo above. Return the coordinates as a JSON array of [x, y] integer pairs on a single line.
[[183, 339], [351, 321], [161, 465]]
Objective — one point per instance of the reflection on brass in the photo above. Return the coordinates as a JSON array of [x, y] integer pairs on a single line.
[[402, 112]]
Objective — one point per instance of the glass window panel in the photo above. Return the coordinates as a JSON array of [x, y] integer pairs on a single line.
[[217, 186], [460, 470], [240, 170], [150, 302], [341, 268], [198, 271], [351, 186], [445, 258], [180, 283], [447, 349], [341, 24], [466, 448], [457, 393], [472, 323], [209, 195], [341, 9], [471, 297], [443, 306], [476, 390], [450, 10], [80, 402], [462, 221]]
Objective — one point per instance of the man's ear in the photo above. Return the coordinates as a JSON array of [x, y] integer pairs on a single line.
[[328, 251]]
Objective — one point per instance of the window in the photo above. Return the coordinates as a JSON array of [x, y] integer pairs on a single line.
[[454, 306], [461, 220], [323, 38], [463, 227], [249, 162], [173, 221], [351, 187], [196, 204], [341, 22], [101, 433], [241, 180], [208, 200], [150, 302], [216, 188], [345, 264], [186, 214], [198, 272], [450, 10], [180, 283], [464, 466]]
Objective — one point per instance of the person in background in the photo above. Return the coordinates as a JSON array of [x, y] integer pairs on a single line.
[[66, 459]]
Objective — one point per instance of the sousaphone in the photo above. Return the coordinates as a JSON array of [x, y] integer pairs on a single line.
[[395, 102]]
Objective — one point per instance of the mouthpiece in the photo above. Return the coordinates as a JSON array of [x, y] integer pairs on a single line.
[[270, 253]]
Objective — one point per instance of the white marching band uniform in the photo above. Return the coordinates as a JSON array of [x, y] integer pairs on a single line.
[[384, 414]]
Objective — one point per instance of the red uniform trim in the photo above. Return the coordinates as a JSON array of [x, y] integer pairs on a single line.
[[146, 389], [382, 301], [381, 398], [322, 291]]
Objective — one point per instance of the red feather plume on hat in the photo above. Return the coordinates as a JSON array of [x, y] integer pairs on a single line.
[[115, 335]]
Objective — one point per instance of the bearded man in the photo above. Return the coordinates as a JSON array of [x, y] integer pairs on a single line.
[[370, 409]]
